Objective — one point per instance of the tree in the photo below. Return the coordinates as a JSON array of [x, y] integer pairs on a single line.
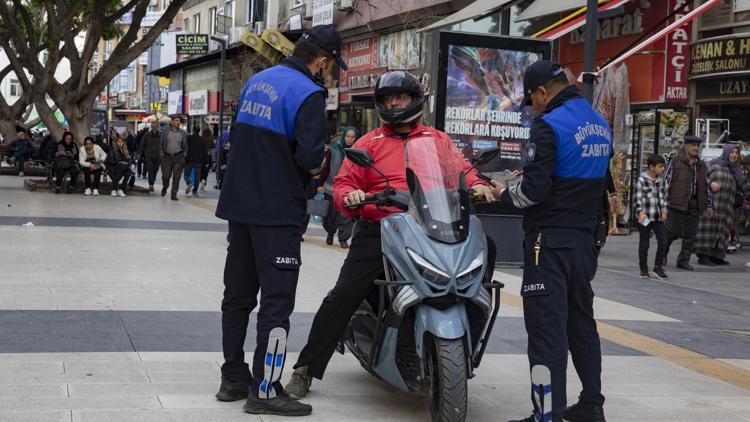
[[30, 27]]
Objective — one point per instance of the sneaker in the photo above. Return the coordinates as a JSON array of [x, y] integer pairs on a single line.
[[96, 192], [644, 274], [121, 193], [232, 391], [685, 266], [188, 189], [581, 412], [747, 265], [329, 239], [195, 195], [706, 261], [203, 186], [20, 174], [87, 192], [281, 405], [114, 192], [344, 244], [660, 274], [299, 385], [151, 188], [164, 190]]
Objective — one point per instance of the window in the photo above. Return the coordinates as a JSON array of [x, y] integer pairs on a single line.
[[15, 88], [229, 9], [197, 23], [212, 20], [249, 6], [187, 24]]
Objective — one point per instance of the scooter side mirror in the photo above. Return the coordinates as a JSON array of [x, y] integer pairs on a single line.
[[486, 156], [359, 157]]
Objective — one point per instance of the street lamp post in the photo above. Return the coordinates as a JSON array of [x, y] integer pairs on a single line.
[[589, 52]]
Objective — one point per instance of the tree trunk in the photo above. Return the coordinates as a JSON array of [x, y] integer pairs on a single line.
[[8, 130], [81, 126], [47, 114]]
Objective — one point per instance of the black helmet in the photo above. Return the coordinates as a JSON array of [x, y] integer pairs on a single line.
[[398, 82]]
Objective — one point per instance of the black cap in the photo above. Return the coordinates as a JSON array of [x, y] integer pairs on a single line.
[[328, 39], [538, 74], [693, 139]]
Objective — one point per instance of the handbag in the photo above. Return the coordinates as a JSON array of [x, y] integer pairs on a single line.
[[739, 198], [63, 162], [318, 205]]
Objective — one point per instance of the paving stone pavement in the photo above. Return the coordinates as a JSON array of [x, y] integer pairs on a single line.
[[109, 311]]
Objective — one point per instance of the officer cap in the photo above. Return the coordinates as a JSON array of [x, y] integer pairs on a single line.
[[693, 139], [538, 74], [328, 39]]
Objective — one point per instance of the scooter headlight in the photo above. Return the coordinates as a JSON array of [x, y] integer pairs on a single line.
[[474, 268], [427, 270]]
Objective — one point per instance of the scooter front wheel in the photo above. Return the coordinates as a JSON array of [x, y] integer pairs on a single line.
[[447, 372]]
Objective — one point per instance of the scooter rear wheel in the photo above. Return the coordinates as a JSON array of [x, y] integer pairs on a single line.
[[447, 371]]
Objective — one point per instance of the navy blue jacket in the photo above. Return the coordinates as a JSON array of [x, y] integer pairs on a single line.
[[563, 183], [277, 143]]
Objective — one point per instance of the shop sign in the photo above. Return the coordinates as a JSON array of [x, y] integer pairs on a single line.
[[678, 44], [155, 106], [721, 55], [198, 103], [192, 43], [322, 12], [231, 105], [174, 104], [361, 56], [722, 88], [332, 103], [618, 26], [364, 80]]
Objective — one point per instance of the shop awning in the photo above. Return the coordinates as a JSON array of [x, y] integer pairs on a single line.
[[478, 9], [548, 7]]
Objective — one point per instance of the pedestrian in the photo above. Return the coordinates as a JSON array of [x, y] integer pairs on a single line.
[[224, 159], [277, 146], [21, 150], [92, 160], [714, 232], [174, 148], [150, 150], [561, 196], [650, 206], [140, 163], [194, 161], [66, 162], [208, 138], [399, 100], [687, 198], [118, 167], [335, 220]]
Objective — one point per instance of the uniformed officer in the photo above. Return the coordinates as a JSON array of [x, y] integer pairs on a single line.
[[277, 146], [561, 195]]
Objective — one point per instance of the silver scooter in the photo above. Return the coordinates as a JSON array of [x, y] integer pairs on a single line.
[[426, 325]]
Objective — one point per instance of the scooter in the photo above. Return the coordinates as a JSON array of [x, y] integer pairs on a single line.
[[426, 328]]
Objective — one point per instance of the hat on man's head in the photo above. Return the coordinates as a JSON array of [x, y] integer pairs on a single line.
[[539, 73], [328, 39], [693, 139]]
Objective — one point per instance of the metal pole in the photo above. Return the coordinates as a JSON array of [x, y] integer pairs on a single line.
[[106, 117], [589, 57], [220, 143]]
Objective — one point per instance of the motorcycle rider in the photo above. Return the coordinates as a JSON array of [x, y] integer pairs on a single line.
[[560, 193], [399, 100]]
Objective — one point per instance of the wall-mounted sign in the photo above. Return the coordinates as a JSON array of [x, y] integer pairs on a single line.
[[722, 88], [721, 55], [678, 45], [198, 103], [192, 43], [322, 12], [364, 80], [295, 22], [333, 99], [174, 105]]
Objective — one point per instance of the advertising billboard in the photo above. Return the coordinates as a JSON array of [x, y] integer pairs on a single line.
[[479, 94]]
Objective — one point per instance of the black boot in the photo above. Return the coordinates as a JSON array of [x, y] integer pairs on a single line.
[[329, 239], [704, 260], [232, 391], [583, 412], [281, 405]]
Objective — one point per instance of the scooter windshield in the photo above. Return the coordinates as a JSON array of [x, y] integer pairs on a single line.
[[439, 197]]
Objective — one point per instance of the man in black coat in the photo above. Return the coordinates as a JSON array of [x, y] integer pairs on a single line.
[[194, 161]]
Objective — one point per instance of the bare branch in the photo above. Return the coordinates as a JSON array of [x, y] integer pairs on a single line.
[[120, 12]]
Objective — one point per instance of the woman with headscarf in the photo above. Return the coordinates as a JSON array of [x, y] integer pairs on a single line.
[[725, 179], [334, 220]]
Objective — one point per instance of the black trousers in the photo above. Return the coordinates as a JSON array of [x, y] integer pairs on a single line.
[[643, 242], [87, 176], [261, 259], [558, 314], [152, 165], [362, 266], [335, 220], [120, 175], [60, 175], [683, 225]]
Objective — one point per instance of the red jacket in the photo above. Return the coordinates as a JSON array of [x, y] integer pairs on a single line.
[[388, 150]]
